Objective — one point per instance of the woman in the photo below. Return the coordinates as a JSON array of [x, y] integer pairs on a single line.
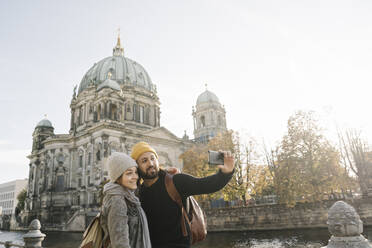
[[123, 220]]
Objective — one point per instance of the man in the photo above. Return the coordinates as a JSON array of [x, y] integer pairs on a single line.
[[163, 214]]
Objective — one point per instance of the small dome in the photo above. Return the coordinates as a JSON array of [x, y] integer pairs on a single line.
[[207, 96], [108, 83], [44, 123]]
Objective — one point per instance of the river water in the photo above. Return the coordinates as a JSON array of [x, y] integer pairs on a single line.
[[305, 238]]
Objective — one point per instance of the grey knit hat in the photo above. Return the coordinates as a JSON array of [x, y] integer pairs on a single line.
[[117, 163]]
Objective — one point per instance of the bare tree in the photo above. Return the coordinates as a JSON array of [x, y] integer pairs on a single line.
[[356, 156]]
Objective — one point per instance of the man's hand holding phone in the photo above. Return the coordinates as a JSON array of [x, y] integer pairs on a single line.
[[224, 160]]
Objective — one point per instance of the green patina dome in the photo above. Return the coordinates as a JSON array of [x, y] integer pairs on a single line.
[[119, 69], [44, 123], [207, 96]]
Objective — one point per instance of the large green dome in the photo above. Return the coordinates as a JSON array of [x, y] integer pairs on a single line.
[[118, 68]]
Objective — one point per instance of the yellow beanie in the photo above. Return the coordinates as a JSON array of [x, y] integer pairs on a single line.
[[140, 148]]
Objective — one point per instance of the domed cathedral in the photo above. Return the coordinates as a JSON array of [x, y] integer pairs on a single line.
[[116, 106], [209, 117]]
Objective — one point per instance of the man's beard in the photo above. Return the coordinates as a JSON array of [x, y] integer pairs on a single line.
[[147, 175]]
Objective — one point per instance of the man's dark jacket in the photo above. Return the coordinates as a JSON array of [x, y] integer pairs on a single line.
[[164, 215]]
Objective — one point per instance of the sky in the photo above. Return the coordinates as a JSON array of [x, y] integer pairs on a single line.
[[263, 59]]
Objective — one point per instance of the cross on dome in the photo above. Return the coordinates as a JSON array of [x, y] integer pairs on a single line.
[[118, 49]]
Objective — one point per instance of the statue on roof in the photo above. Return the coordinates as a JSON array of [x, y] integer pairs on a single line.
[[74, 94]]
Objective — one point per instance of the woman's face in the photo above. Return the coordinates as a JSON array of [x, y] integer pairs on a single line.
[[129, 178]]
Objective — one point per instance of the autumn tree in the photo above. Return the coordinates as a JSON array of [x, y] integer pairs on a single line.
[[195, 162], [246, 172], [305, 166], [21, 198], [263, 183]]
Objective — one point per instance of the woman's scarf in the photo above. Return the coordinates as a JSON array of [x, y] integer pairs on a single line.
[[130, 196]]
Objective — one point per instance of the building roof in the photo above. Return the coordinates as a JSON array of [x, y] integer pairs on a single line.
[[207, 96], [44, 123], [119, 68]]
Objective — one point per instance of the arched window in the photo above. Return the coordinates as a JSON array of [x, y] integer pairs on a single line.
[[98, 155], [81, 115], [219, 121], [60, 183], [113, 74], [202, 121], [80, 161], [114, 114], [135, 112]]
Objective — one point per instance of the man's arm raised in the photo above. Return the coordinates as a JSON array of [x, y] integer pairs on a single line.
[[188, 185]]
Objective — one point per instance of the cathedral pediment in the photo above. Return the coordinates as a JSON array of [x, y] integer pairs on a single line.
[[161, 132]]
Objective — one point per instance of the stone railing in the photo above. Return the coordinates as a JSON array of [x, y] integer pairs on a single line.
[[32, 239], [346, 227], [279, 216]]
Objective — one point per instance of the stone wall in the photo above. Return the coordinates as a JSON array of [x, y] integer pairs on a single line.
[[276, 216]]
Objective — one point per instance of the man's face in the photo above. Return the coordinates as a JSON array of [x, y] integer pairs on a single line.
[[148, 165]]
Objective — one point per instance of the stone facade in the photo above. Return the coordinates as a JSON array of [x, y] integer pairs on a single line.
[[116, 106]]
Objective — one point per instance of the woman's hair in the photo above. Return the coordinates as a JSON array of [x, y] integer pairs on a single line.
[[101, 185], [119, 179]]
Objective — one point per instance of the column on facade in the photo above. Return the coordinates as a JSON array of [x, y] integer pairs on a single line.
[[30, 182], [155, 117], [34, 186], [72, 157], [158, 117], [82, 114], [124, 112], [194, 120], [110, 113], [85, 112], [108, 109], [135, 109]]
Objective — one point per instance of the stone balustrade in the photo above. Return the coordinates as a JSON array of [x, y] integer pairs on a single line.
[[32, 239], [279, 217], [346, 227]]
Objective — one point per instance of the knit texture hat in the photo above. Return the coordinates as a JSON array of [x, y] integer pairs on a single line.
[[117, 163], [140, 148]]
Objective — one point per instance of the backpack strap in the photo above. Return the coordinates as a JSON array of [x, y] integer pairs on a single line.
[[107, 242], [175, 196]]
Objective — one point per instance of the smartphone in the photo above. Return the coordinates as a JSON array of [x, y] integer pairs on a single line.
[[215, 158]]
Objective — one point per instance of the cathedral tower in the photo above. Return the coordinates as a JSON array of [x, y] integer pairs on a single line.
[[43, 130], [209, 117]]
